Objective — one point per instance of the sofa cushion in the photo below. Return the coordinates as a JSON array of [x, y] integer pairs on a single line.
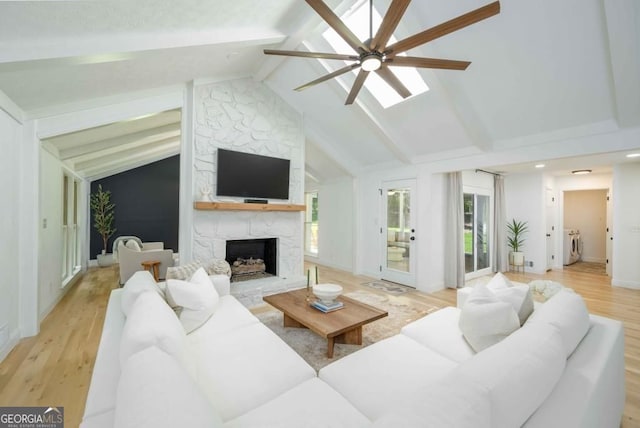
[[197, 299], [518, 373], [567, 312], [244, 368], [454, 401], [312, 403], [139, 282], [155, 391], [106, 370], [151, 322], [439, 331], [485, 319], [382, 376], [229, 315], [591, 390]]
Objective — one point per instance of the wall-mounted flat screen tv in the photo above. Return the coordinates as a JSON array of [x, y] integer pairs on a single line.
[[252, 176]]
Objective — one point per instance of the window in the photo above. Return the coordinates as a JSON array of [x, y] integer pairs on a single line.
[[477, 217], [70, 236], [358, 22], [311, 224]]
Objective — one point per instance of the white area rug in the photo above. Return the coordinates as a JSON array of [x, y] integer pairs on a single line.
[[313, 348], [388, 287]]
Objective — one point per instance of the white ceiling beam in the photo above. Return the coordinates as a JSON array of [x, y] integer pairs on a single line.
[[311, 21], [148, 136], [339, 156], [113, 47], [113, 170], [126, 159], [122, 151]]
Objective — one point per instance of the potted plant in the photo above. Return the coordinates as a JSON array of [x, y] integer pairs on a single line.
[[515, 240], [103, 216]]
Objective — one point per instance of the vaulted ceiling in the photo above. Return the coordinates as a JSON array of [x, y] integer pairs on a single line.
[[542, 71]]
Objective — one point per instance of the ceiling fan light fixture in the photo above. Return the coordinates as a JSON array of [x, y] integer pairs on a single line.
[[371, 62]]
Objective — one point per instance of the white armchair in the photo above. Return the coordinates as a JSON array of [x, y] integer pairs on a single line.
[[130, 259]]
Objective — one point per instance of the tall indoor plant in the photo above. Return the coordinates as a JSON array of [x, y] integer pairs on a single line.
[[103, 216], [515, 240]]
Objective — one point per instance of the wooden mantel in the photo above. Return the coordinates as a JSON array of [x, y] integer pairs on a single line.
[[239, 206]]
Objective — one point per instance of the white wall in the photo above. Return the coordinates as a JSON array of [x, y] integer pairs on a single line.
[[586, 210], [336, 216], [429, 224], [626, 225], [10, 139], [524, 195]]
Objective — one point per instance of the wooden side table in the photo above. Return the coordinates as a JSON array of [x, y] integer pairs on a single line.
[[152, 266]]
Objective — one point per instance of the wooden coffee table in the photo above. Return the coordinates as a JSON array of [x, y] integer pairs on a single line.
[[341, 326]]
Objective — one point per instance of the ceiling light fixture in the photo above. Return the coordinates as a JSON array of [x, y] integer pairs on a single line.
[[371, 61], [633, 155], [581, 171], [540, 165]]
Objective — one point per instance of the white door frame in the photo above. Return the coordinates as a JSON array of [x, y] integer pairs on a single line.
[[387, 272], [483, 192]]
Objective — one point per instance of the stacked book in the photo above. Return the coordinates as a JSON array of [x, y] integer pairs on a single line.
[[327, 307]]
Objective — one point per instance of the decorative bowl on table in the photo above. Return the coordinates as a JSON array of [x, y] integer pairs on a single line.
[[327, 293]]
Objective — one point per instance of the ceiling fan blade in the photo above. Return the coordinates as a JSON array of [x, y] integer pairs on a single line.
[[357, 85], [444, 28], [326, 77], [412, 61], [389, 24], [336, 23], [312, 55], [393, 81]]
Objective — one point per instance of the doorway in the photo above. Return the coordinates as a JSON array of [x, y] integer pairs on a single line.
[[585, 223], [477, 233], [399, 233]]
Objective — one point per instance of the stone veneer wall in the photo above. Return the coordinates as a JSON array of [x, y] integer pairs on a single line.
[[246, 116]]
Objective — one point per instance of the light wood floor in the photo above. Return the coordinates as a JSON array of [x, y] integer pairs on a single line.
[[54, 368]]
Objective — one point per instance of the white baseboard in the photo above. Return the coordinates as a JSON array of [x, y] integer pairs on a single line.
[[593, 260], [626, 284], [14, 338]]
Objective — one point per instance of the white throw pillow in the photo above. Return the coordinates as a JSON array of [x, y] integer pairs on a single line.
[[197, 297], [485, 320], [133, 245], [140, 282], [151, 322], [520, 298], [498, 282], [154, 390]]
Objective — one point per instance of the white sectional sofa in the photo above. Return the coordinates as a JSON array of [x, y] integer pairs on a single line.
[[564, 368]]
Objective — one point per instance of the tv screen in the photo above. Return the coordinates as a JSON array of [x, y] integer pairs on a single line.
[[252, 176]]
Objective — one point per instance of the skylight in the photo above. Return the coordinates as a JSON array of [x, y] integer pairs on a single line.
[[358, 23]]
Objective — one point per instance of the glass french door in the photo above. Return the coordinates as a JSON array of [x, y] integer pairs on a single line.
[[398, 232], [477, 234]]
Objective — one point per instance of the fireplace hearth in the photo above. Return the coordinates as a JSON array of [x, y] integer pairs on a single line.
[[252, 258]]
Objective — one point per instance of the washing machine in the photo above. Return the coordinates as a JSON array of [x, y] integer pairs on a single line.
[[571, 251]]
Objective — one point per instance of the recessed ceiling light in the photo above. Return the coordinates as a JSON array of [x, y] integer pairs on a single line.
[[540, 165], [633, 155], [581, 171]]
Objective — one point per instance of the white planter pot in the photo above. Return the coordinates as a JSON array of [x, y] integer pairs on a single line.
[[104, 260], [516, 258]]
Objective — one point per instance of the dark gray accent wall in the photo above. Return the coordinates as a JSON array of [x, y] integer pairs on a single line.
[[146, 201]]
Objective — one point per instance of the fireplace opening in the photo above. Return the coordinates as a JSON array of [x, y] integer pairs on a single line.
[[252, 258]]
